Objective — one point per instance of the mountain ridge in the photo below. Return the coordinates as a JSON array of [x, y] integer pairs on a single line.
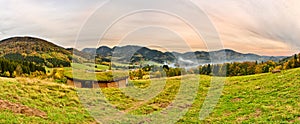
[[31, 46], [156, 55], [92, 50]]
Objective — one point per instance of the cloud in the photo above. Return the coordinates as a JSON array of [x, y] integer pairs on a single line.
[[268, 26], [278, 22], [56, 20], [264, 27]]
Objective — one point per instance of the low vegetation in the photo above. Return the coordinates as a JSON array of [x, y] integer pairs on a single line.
[[60, 103]]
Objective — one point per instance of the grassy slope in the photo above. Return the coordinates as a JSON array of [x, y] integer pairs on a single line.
[[261, 98], [58, 101], [258, 98]]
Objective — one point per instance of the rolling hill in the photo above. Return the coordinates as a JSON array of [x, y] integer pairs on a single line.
[[35, 50], [29, 46]]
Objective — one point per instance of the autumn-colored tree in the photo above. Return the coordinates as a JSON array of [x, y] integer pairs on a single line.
[[18, 71]]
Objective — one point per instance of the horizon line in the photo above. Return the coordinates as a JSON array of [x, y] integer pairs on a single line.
[[111, 47]]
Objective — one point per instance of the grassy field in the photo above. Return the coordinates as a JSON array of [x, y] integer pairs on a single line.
[[264, 98], [60, 102], [79, 71], [99, 76], [90, 66]]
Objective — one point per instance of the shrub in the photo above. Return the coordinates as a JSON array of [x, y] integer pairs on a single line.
[[6, 74]]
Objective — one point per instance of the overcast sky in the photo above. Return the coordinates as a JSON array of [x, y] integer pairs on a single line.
[[266, 27]]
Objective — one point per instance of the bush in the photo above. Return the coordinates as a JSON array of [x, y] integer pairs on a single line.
[[57, 74], [62, 80], [6, 74]]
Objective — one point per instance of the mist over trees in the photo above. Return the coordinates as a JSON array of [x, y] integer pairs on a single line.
[[226, 69], [249, 68]]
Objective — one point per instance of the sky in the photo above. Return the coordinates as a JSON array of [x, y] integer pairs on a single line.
[[265, 27]]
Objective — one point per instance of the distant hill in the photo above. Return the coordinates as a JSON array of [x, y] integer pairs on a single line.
[[29, 45], [79, 56], [137, 53], [46, 53], [35, 50], [231, 56], [130, 53], [89, 50]]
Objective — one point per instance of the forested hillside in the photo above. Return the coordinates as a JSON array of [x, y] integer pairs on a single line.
[[10, 68], [38, 51]]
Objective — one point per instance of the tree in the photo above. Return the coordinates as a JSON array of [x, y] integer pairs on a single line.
[[109, 67], [296, 61], [208, 70], [166, 67], [18, 70]]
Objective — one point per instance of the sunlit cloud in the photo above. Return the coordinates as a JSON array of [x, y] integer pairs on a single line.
[[251, 26]]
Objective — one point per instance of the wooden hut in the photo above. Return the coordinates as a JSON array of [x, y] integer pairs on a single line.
[[116, 83]]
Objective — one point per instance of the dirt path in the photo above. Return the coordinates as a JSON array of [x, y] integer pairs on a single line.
[[21, 109]]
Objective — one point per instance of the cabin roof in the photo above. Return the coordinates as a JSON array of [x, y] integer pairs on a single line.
[[108, 76], [99, 81]]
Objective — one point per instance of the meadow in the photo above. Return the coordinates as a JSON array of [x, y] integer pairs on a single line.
[[260, 98], [59, 102], [89, 72]]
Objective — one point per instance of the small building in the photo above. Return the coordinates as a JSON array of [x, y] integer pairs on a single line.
[[276, 71], [116, 83]]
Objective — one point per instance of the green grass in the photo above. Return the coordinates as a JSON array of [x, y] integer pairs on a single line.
[[79, 71], [60, 102], [99, 76], [263, 98], [89, 66]]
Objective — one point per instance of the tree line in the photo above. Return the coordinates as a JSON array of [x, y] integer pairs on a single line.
[[49, 62], [249, 68], [226, 69], [155, 72], [10, 68]]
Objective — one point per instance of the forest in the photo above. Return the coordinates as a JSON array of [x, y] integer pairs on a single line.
[[249, 68], [49, 62], [11, 68]]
